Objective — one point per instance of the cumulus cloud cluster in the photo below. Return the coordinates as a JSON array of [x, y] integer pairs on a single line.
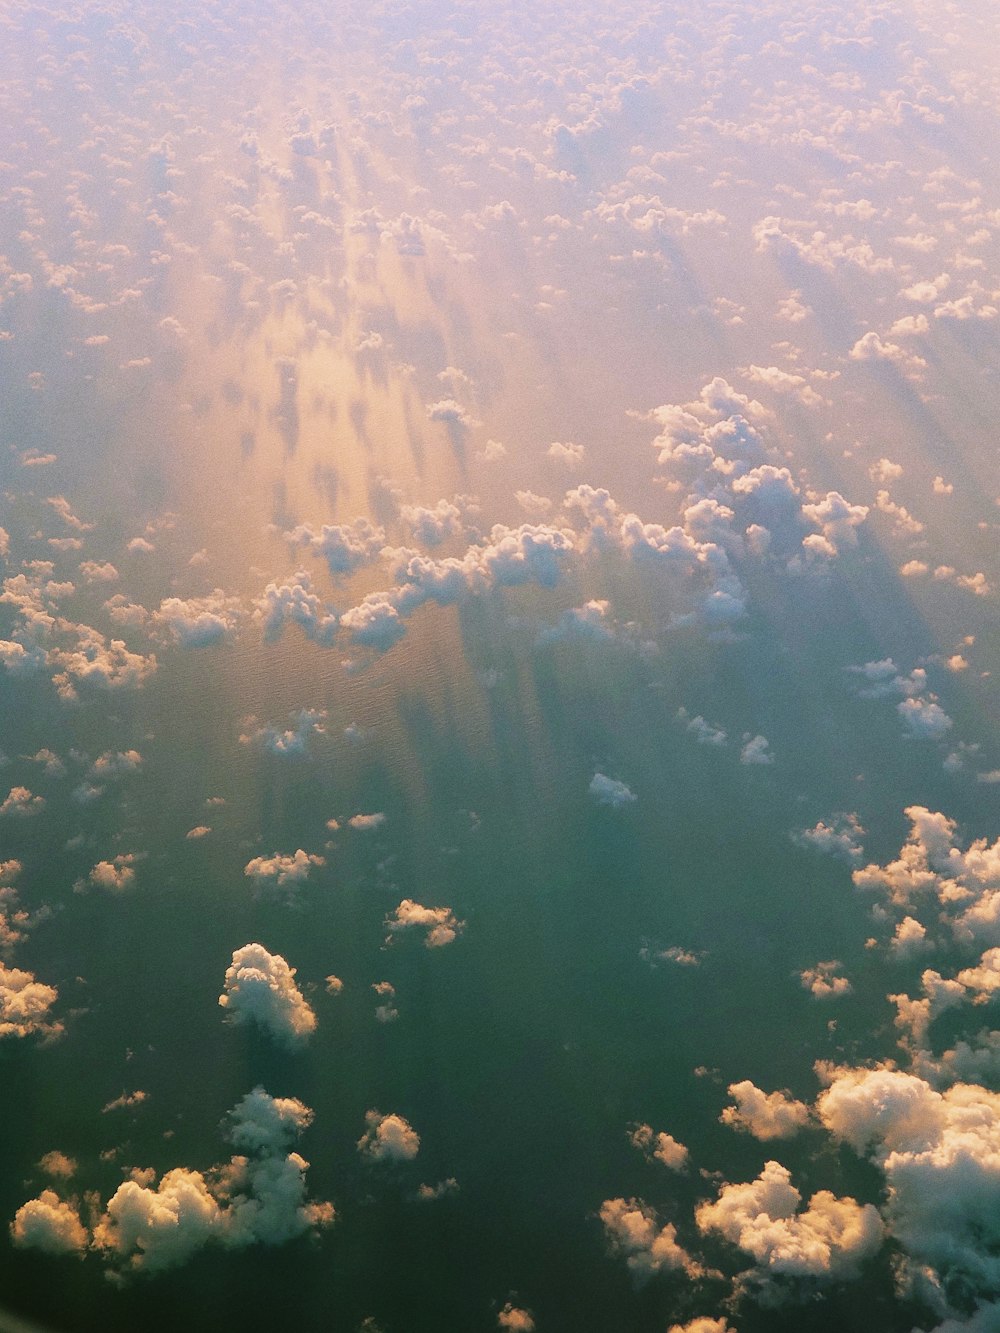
[[257, 1197], [260, 988]]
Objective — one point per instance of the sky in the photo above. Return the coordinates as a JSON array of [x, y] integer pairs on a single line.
[[498, 635]]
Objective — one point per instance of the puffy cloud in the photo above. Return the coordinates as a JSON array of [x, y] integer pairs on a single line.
[[659, 1147], [295, 602], [115, 764], [781, 381], [570, 454], [25, 1005], [97, 572], [450, 412], [840, 838], [260, 988], [870, 347], [289, 742], [49, 1224], [197, 622], [440, 923], [257, 1197], [966, 884], [433, 526], [924, 718], [375, 622], [830, 1238], [388, 1138], [940, 1155], [610, 791], [515, 1320], [765, 1115], [909, 940], [366, 823], [95, 663], [281, 871], [344, 546], [838, 521], [633, 1230], [57, 1165], [112, 876], [824, 981], [19, 803]]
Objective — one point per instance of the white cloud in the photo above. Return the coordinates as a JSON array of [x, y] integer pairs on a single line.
[[388, 1138], [260, 988], [114, 876], [773, 1115], [840, 838], [49, 1224], [940, 1155], [633, 1231], [440, 923], [824, 981], [19, 803], [659, 1147], [25, 1005], [756, 751], [256, 1197], [282, 871], [344, 546], [366, 823], [830, 1238]]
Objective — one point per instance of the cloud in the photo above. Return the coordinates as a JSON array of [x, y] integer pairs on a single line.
[[57, 1165], [282, 871], [440, 923], [344, 546], [756, 751], [633, 1231], [388, 1138], [49, 1224], [295, 602], [257, 1197], [114, 876], [449, 411], [840, 838], [609, 791], [924, 718], [288, 742], [260, 988], [430, 527], [365, 823], [19, 803], [570, 454], [830, 1238], [702, 1324], [25, 1005], [940, 1156], [659, 1147], [824, 982], [767, 1116]]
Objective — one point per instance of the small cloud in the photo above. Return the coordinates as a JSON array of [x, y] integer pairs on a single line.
[[610, 792], [388, 1138]]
